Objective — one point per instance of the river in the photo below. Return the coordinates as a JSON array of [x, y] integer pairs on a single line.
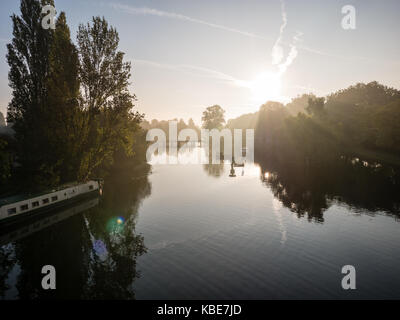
[[200, 232]]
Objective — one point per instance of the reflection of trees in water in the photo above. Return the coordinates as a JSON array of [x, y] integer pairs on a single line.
[[94, 259], [60, 246], [214, 170], [311, 190], [7, 262], [114, 245]]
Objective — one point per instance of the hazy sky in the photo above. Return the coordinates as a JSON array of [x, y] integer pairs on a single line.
[[190, 54]]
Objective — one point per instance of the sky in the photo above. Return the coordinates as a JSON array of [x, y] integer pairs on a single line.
[[187, 55]]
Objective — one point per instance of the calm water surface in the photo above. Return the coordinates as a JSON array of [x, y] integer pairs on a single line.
[[194, 232]]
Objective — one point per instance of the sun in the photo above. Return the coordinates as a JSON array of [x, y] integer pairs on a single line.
[[266, 86]]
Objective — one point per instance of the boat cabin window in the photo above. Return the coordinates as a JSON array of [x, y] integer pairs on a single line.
[[35, 204], [12, 211], [55, 198], [24, 207], [45, 201]]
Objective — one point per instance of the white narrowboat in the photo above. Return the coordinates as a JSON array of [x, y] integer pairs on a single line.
[[20, 206]]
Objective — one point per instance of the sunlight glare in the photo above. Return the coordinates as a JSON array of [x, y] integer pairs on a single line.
[[266, 86]]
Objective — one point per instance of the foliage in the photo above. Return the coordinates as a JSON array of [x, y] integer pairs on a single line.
[[71, 109], [2, 120], [316, 106], [164, 125], [105, 79], [299, 104], [5, 162], [66, 122], [28, 57], [213, 117], [246, 121], [365, 116]]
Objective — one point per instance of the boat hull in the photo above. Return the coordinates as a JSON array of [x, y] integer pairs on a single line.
[[4, 223]]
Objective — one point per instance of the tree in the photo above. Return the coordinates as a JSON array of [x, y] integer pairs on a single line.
[[28, 58], [181, 125], [104, 79], [191, 124], [2, 120], [269, 123], [67, 122], [315, 106], [299, 104], [372, 94], [5, 162], [213, 117]]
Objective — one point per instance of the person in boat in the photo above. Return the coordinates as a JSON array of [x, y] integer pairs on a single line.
[[232, 172]]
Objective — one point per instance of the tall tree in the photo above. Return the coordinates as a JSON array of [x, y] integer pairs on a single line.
[[28, 58], [105, 79], [67, 122]]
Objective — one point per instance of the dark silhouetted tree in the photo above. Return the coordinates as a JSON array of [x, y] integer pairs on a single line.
[[28, 58], [67, 122], [105, 79]]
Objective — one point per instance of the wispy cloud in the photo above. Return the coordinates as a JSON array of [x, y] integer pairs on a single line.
[[193, 70], [177, 16], [292, 53], [277, 50]]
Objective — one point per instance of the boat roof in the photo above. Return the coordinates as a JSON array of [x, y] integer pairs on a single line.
[[25, 196]]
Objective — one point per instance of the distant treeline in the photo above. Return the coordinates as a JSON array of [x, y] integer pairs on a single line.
[[362, 120], [71, 109], [164, 125], [250, 120]]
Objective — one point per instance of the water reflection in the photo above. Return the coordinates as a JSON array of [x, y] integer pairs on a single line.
[[214, 170], [113, 244], [309, 191], [93, 247], [234, 237]]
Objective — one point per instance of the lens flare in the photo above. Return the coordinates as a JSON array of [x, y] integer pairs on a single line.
[[116, 225]]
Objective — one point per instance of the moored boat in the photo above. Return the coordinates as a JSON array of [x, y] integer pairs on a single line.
[[21, 206]]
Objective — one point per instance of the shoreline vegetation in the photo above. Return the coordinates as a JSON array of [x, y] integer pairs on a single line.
[[74, 118], [72, 113]]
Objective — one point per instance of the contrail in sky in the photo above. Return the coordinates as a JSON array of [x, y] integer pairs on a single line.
[[292, 54], [277, 50], [177, 16]]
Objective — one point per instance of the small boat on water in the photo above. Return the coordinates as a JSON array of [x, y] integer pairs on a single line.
[[21, 206]]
